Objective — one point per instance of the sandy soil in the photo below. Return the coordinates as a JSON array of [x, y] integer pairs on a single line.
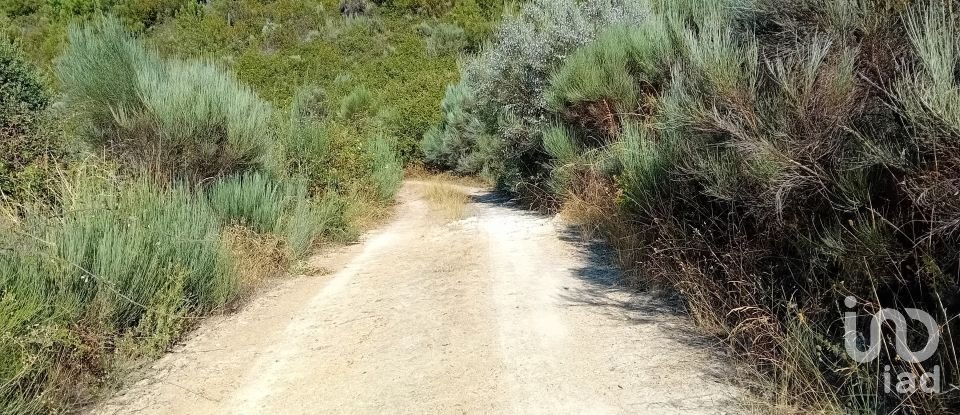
[[502, 312]]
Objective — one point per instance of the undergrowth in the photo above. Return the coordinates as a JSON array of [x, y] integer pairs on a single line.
[[764, 159], [167, 188]]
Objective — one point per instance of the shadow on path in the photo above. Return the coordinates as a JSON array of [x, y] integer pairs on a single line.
[[606, 292]]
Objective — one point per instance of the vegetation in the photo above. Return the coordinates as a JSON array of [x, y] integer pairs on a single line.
[[176, 119], [765, 159], [26, 149], [446, 199], [161, 158]]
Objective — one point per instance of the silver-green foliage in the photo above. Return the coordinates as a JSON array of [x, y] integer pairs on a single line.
[[358, 102], [443, 38], [931, 96], [181, 119], [455, 143], [615, 67], [123, 256], [493, 117], [513, 71]]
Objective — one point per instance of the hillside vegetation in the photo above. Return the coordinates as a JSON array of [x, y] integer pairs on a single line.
[[765, 159], [162, 158]]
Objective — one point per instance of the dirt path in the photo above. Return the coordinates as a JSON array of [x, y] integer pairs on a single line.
[[501, 312]]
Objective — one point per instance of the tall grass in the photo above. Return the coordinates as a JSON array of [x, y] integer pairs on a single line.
[[253, 200], [386, 168]]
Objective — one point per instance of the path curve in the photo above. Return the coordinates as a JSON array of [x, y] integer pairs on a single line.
[[504, 312]]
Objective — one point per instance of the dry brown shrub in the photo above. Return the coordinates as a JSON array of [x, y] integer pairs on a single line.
[[257, 258]]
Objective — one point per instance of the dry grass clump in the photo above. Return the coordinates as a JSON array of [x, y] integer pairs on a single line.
[[418, 171], [447, 199], [258, 258]]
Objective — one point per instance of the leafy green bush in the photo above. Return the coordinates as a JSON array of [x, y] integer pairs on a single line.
[[15, 8], [478, 18], [28, 145], [148, 13], [71, 8], [180, 119]]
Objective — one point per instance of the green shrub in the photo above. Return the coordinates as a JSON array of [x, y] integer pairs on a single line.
[[427, 7], [616, 67], [510, 78], [455, 142], [386, 169], [180, 119], [253, 200], [148, 13], [15, 8], [78, 281], [28, 145], [71, 8], [285, 209], [354, 8], [443, 38], [306, 141], [477, 18], [359, 101], [765, 159], [308, 220]]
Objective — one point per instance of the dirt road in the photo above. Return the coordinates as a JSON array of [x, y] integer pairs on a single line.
[[503, 312]]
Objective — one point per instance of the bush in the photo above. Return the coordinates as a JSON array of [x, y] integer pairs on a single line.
[[512, 74], [354, 8], [285, 209], [358, 102], [766, 160], [148, 13], [449, 144], [252, 200], [179, 119], [386, 170], [443, 38], [609, 77], [306, 141], [28, 146], [478, 18], [128, 260]]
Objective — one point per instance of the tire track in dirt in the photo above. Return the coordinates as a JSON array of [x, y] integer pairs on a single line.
[[501, 312]]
